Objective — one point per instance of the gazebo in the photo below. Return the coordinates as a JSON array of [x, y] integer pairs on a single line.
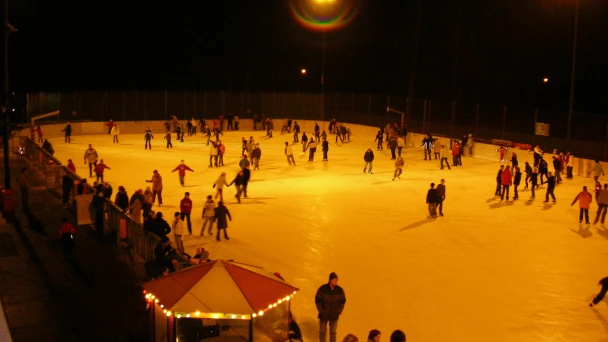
[[213, 292]]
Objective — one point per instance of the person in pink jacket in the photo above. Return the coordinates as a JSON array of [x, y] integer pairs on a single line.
[[584, 199], [506, 179]]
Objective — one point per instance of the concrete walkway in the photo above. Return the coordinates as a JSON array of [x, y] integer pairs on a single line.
[[48, 296]]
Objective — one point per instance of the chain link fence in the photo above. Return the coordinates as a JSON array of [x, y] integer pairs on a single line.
[[588, 136]]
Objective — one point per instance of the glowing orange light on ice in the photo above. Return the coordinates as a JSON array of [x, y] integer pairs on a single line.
[[324, 15]]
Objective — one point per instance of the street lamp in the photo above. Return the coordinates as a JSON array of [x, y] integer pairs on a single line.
[[546, 80], [303, 71], [573, 73]]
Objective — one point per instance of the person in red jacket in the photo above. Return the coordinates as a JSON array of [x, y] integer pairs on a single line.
[[185, 208], [110, 125], [584, 199], [182, 168], [456, 153], [99, 170], [506, 179], [66, 235], [71, 166]]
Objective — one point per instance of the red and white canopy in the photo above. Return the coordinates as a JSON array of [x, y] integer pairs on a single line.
[[219, 289]]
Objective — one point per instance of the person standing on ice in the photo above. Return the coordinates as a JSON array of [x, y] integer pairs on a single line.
[[499, 181], [304, 142], [392, 145], [602, 202], [427, 144], [250, 147], [208, 215], [602, 294], [516, 181], [168, 138], [378, 139], [437, 149], [256, 154], [157, 187], [289, 154], [528, 171], [68, 132], [537, 155], [469, 145], [325, 148], [431, 200], [312, 149], [99, 168], [398, 168], [550, 188], [534, 180], [90, 156], [148, 138], [400, 144], [178, 231], [246, 178], [584, 199], [543, 169], [440, 196], [443, 157], [330, 300], [597, 171], [456, 153], [243, 146], [506, 180], [296, 131], [114, 132], [185, 209], [213, 152], [220, 216], [244, 162], [569, 165], [221, 150], [182, 168], [557, 166], [238, 184], [317, 132], [514, 161], [502, 150], [368, 157], [219, 186]]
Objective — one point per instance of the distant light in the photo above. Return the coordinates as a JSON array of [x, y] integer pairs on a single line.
[[545, 80], [303, 71]]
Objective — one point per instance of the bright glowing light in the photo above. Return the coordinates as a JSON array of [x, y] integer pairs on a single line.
[[198, 313], [303, 71], [261, 313], [254, 315], [168, 313], [324, 15], [233, 316], [188, 315], [545, 80]]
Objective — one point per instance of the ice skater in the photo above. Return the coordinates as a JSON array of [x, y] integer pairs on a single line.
[[208, 215], [427, 144], [499, 181], [148, 136], [516, 181], [368, 157], [443, 157], [317, 132], [557, 165], [528, 171], [502, 150], [550, 188], [220, 216], [506, 179], [256, 154], [456, 153], [90, 156], [182, 168], [378, 139], [99, 168], [330, 300], [296, 131], [543, 169], [325, 148], [398, 168], [602, 294], [440, 196], [213, 154], [312, 149], [289, 154], [597, 171], [538, 153], [431, 201], [157, 187], [219, 186], [68, 132], [304, 142], [534, 180], [185, 209], [584, 199], [168, 138], [238, 184], [114, 132]]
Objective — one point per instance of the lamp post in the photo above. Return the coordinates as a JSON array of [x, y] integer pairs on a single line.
[[573, 73], [323, 82], [8, 28]]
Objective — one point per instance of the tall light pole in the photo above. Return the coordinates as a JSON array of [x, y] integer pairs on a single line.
[[572, 76], [323, 82], [8, 28]]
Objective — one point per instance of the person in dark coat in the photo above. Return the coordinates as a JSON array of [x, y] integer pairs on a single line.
[[325, 148], [220, 217], [68, 132], [122, 199], [557, 165], [46, 145], [516, 181], [246, 178], [238, 182], [432, 199], [600, 296], [67, 186], [499, 181], [159, 226], [368, 157], [99, 202], [550, 187], [330, 300]]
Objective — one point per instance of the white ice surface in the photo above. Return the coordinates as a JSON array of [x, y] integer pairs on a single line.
[[487, 271]]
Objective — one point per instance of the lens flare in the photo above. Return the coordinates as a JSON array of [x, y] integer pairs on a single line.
[[324, 15]]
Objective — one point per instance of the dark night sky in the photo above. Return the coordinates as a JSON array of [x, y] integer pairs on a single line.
[[505, 49]]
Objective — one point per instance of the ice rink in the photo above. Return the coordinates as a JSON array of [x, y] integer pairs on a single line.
[[486, 271]]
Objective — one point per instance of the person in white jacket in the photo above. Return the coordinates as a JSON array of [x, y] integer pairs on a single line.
[[114, 132], [213, 154], [208, 215], [400, 144], [597, 171], [443, 155], [219, 186], [289, 154], [178, 231]]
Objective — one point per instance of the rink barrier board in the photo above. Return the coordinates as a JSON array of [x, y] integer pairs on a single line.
[[414, 140]]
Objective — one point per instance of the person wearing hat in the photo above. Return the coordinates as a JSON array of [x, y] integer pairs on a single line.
[[220, 214], [330, 300]]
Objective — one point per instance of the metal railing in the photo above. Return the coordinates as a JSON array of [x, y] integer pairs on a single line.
[[133, 239]]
